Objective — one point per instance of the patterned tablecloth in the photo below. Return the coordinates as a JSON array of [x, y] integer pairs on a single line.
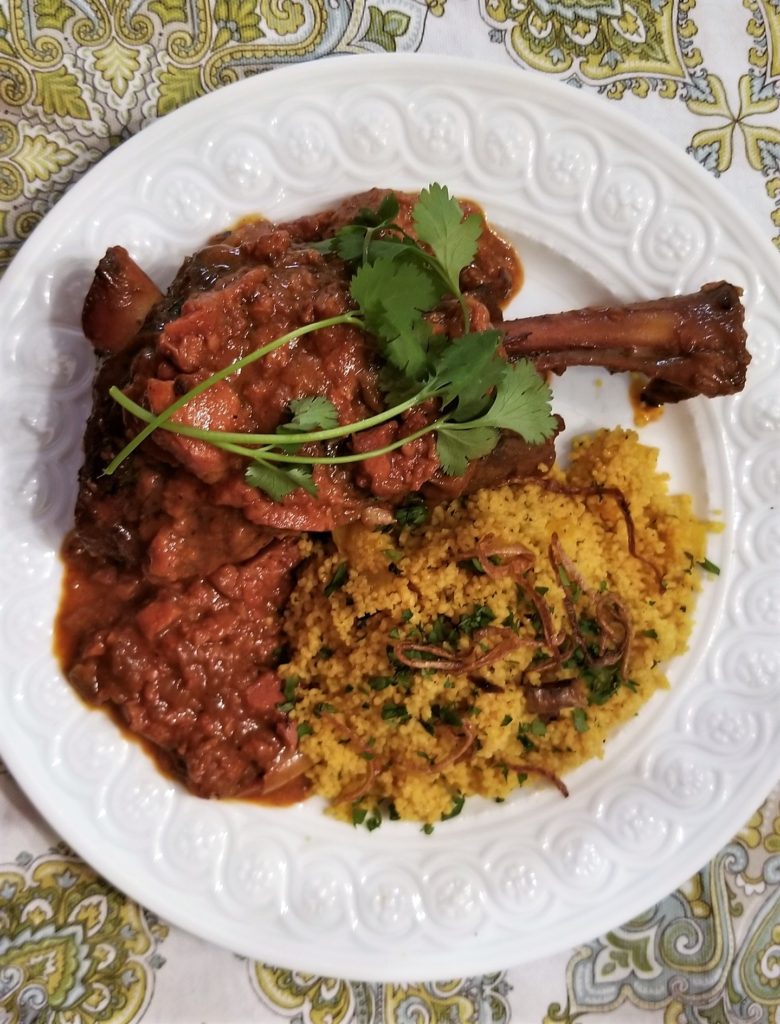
[[77, 77]]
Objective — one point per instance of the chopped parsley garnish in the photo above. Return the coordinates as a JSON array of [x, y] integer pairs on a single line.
[[651, 634], [358, 815], [392, 712], [442, 631], [472, 565], [527, 744], [288, 689], [304, 729], [446, 714], [457, 806], [427, 828], [380, 682], [395, 283], [709, 566], [588, 626], [510, 621], [413, 512], [580, 720], [480, 617], [568, 584], [337, 580]]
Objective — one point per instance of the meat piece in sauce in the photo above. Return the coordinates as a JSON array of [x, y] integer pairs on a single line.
[[186, 664]]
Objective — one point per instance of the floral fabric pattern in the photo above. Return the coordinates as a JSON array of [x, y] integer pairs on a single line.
[[71, 947], [77, 78], [332, 1001]]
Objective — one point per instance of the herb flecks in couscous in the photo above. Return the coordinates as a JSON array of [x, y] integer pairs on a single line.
[[507, 637]]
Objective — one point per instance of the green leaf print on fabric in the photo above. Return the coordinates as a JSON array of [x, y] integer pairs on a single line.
[[385, 27], [117, 64], [178, 85], [52, 13], [237, 21], [171, 10], [58, 92]]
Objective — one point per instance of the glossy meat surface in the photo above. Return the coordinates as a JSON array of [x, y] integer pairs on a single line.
[[685, 345]]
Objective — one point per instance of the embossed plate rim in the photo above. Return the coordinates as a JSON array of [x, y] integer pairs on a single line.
[[430, 950]]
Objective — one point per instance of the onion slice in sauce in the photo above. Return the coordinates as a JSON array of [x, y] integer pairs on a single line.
[[287, 767]]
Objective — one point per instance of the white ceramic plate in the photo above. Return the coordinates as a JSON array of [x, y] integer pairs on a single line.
[[595, 212]]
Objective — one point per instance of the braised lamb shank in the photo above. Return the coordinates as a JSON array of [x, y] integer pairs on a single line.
[[177, 566]]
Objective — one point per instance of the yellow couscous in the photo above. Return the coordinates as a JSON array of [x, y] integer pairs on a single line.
[[418, 653]]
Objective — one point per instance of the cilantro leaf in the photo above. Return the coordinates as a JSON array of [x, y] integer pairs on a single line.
[[315, 412], [407, 351], [467, 371], [522, 403], [401, 288], [388, 208], [413, 512], [360, 245], [456, 448], [276, 482], [439, 221], [386, 212], [354, 242], [392, 295]]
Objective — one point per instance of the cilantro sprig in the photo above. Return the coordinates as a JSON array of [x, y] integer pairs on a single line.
[[396, 281]]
